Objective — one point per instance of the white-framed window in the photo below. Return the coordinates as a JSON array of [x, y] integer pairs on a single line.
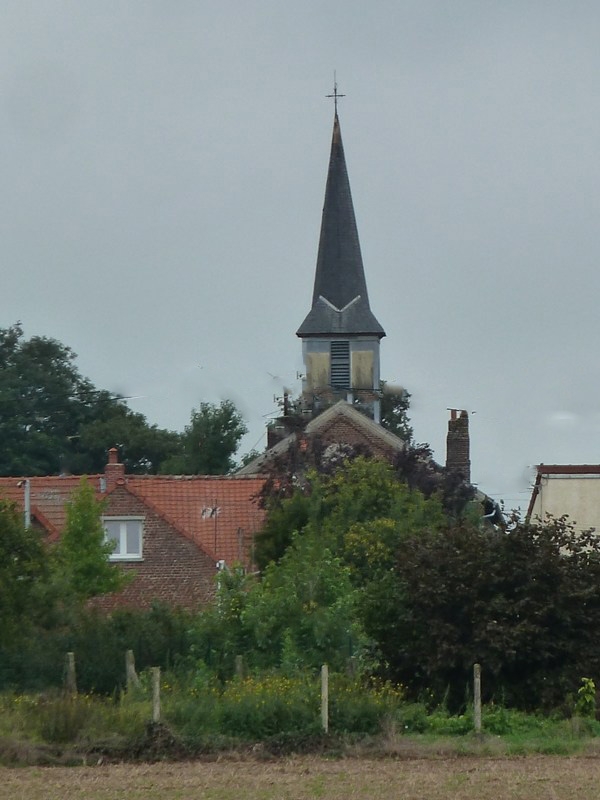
[[126, 534]]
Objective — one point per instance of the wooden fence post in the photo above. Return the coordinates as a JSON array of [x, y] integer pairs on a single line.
[[477, 697], [70, 676], [130, 673], [325, 698], [155, 694]]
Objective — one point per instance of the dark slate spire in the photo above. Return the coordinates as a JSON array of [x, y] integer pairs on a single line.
[[340, 303]]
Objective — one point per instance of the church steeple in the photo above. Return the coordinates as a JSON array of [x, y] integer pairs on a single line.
[[340, 335], [340, 303]]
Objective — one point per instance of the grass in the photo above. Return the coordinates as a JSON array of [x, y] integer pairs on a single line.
[[269, 715]]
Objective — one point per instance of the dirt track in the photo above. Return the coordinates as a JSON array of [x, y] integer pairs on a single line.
[[530, 778]]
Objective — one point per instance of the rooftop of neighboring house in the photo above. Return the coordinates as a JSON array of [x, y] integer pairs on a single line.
[[568, 469], [570, 505], [216, 512]]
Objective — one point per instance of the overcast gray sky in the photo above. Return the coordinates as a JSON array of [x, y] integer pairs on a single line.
[[163, 169]]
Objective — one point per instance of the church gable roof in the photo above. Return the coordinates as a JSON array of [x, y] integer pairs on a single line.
[[339, 424]]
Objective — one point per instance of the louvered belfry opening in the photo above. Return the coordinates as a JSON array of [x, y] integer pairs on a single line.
[[340, 364]]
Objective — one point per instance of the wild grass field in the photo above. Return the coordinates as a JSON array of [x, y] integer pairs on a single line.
[[462, 778]]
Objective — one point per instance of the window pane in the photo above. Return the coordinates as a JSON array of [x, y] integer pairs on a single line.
[[133, 537], [113, 534]]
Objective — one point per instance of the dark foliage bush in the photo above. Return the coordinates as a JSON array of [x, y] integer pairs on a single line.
[[157, 637]]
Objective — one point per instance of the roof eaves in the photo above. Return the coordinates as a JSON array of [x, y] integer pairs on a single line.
[[568, 469]]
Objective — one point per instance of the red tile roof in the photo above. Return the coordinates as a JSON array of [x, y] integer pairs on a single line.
[[221, 514], [48, 496]]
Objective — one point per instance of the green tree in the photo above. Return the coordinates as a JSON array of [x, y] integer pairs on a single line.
[[42, 396], [143, 448], [367, 489], [299, 615], [283, 519], [361, 490], [302, 613], [210, 441], [82, 554], [395, 403], [219, 634], [23, 567], [525, 604], [53, 419]]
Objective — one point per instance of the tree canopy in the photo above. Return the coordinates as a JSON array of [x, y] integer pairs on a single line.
[[524, 603], [434, 592], [43, 402], [395, 403], [23, 565], [354, 490], [81, 557], [209, 441], [53, 420]]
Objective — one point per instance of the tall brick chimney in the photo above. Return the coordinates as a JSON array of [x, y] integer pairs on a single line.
[[114, 471], [458, 444]]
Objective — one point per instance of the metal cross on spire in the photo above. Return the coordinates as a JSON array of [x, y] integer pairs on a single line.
[[335, 94]]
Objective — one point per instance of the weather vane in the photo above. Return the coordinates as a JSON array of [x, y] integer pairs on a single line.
[[335, 94]]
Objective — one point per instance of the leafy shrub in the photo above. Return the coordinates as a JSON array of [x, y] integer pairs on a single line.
[[412, 718], [502, 721], [356, 708], [62, 717], [441, 723], [157, 637], [191, 702], [255, 708], [586, 698]]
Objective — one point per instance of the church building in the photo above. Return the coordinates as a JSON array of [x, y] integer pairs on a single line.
[[340, 404], [341, 398]]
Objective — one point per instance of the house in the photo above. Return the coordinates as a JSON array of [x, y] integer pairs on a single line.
[[172, 532], [567, 489]]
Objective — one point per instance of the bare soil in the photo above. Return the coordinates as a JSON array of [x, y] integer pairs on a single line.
[[442, 778]]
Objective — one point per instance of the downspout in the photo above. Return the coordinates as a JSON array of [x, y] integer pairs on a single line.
[[25, 483]]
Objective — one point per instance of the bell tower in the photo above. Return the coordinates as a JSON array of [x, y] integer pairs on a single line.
[[340, 335]]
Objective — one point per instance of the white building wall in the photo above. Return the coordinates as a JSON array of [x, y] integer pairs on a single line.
[[577, 496]]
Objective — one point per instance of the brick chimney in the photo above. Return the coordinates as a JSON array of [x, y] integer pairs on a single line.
[[114, 471], [458, 444]]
